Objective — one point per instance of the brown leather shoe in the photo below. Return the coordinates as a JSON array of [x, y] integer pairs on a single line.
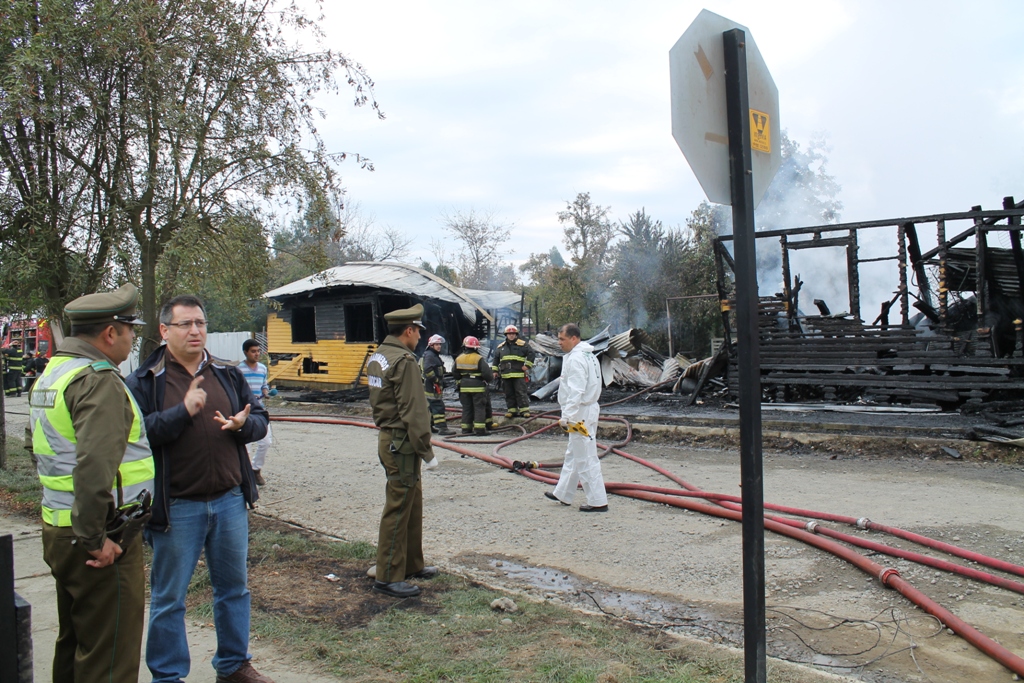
[[260, 481], [245, 674]]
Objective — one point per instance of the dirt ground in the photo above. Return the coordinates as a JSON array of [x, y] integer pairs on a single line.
[[677, 570], [681, 570]]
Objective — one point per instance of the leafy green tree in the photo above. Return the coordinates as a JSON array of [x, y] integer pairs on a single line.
[[480, 255], [154, 120], [634, 259], [587, 231]]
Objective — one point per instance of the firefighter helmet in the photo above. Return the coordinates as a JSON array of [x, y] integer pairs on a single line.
[[471, 342], [511, 329], [436, 339]]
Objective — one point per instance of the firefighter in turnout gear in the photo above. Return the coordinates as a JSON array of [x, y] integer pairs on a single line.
[[14, 371], [472, 375], [432, 368], [512, 362], [96, 468], [403, 446]]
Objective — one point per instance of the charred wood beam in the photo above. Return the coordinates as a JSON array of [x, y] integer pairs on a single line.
[[901, 235], [721, 254], [928, 311], [787, 287], [1015, 247], [883, 316], [991, 217], [822, 307], [940, 234], [980, 269], [853, 274], [986, 219], [724, 253], [816, 243], [914, 249]]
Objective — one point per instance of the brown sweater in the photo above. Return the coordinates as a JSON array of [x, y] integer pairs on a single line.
[[204, 459]]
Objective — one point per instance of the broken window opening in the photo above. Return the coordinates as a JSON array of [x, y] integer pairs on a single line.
[[304, 325], [359, 323]]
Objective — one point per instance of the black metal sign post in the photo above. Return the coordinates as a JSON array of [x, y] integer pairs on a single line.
[[751, 471], [8, 617]]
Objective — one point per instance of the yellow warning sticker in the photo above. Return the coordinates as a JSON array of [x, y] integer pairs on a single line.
[[760, 132]]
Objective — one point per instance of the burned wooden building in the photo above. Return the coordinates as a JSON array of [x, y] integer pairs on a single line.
[[330, 323], [945, 326]]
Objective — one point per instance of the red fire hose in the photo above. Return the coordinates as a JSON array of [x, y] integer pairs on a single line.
[[727, 507]]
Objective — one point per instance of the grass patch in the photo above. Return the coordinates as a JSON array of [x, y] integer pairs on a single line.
[[19, 482], [448, 633]]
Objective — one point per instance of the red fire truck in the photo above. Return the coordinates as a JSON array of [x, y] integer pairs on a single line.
[[31, 335]]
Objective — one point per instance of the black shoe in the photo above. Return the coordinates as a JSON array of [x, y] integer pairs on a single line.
[[593, 508], [467, 431], [548, 494], [444, 431], [398, 589], [425, 573], [480, 432]]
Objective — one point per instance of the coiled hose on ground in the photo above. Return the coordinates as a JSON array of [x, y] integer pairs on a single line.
[[690, 497]]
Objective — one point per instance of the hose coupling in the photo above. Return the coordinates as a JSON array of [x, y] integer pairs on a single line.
[[886, 574], [519, 465], [811, 527], [863, 523]]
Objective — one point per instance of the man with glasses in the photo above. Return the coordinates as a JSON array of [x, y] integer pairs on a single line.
[[200, 414], [88, 433]]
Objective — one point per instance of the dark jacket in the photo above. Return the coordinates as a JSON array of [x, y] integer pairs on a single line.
[[433, 372], [164, 426]]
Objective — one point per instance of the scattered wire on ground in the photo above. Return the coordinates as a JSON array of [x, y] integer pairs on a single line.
[[899, 623]]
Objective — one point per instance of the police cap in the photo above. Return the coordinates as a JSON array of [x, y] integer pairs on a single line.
[[105, 307], [406, 316]]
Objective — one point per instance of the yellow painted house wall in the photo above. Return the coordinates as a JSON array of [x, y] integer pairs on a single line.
[[343, 360]]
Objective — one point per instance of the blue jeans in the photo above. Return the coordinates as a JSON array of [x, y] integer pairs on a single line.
[[221, 527]]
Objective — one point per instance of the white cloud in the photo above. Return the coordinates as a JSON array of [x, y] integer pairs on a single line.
[[519, 107]]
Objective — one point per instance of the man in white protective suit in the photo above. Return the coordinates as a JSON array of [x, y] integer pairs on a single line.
[[578, 394]]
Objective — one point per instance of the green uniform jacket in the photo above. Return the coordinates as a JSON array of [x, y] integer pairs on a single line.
[[102, 415], [512, 359], [396, 394]]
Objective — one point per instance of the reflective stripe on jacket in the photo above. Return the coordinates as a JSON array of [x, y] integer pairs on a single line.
[[53, 442], [472, 373], [511, 360]]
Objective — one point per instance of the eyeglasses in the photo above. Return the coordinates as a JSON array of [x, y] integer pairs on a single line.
[[187, 324]]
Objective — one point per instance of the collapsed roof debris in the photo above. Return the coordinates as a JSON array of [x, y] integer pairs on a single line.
[[963, 345], [627, 361]]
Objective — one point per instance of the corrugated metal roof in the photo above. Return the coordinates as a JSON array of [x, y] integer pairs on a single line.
[[399, 277], [493, 299]]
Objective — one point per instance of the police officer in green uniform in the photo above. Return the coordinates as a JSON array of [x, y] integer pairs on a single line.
[[94, 463], [400, 410]]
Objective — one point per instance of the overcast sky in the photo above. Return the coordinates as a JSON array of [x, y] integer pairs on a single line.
[[514, 108]]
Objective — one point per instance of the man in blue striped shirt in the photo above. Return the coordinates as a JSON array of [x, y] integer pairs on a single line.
[[256, 375]]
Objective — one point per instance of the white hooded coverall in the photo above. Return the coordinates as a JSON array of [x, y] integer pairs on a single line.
[[578, 393]]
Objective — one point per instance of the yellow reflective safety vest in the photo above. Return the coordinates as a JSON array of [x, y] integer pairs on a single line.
[[471, 373], [53, 442]]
